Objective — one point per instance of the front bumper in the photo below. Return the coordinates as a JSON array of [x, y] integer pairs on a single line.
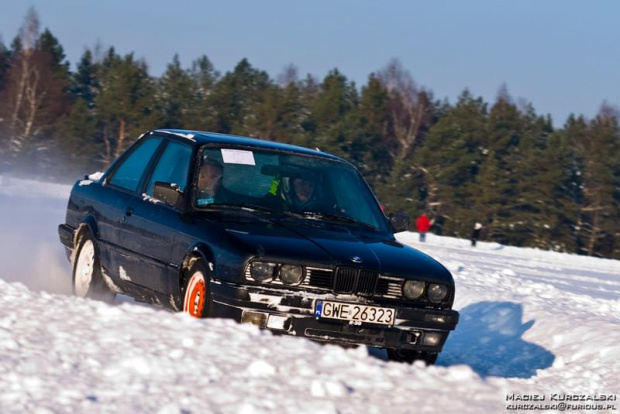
[[292, 313]]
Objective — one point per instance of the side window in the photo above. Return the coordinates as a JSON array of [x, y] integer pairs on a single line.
[[172, 167], [129, 173]]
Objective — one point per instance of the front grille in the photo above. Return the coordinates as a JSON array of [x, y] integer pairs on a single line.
[[321, 278], [344, 281], [366, 282], [352, 280], [389, 287]]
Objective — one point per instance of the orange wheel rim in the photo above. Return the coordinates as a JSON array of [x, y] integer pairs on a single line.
[[195, 295]]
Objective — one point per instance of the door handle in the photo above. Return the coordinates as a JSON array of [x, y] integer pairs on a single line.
[[129, 211]]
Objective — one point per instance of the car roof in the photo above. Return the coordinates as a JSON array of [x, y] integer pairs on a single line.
[[202, 137]]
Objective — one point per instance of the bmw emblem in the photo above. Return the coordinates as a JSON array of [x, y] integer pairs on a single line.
[[356, 259]]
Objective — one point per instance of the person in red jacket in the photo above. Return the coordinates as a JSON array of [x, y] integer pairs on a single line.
[[423, 224]]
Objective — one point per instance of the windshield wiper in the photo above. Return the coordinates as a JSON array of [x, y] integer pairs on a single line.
[[336, 217], [242, 206], [302, 214]]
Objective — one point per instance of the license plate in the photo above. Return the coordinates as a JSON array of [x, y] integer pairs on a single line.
[[357, 313]]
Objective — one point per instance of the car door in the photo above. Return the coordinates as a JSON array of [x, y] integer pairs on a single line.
[[149, 230], [118, 189]]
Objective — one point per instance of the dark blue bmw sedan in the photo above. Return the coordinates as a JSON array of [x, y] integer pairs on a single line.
[[287, 238]]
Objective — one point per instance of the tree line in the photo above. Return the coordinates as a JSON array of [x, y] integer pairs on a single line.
[[500, 163]]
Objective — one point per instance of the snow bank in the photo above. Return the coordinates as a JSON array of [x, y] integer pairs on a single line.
[[67, 354]]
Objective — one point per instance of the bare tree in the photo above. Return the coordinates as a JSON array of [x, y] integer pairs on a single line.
[[290, 74], [409, 106], [33, 95], [98, 51], [27, 78]]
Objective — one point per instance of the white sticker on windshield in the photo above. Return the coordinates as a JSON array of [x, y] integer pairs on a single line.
[[232, 156]]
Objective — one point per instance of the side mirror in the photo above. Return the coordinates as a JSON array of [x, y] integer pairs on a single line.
[[400, 222], [168, 193]]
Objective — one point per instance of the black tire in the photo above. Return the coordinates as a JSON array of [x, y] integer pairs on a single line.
[[87, 275], [197, 291], [401, 355]]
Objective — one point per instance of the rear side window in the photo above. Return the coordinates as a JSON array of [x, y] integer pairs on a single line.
[[130, 172], [172, 167]]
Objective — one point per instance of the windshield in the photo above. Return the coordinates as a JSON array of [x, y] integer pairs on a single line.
[[303, 186]]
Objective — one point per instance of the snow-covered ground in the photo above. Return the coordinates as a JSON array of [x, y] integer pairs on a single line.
[[533, 324]]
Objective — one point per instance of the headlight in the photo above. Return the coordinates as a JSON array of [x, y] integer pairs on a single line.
[[261, 271], [437, 293], [291, 275], [413, 289]]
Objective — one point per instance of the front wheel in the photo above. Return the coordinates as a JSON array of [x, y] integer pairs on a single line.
[[87, 276], [400, 355], [197, 297]]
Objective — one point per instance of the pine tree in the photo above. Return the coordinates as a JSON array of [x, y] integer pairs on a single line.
[[373, 150], [561, 167], [85, 82], [570, 188], [126, 101], [78, 140], [48, 43], [177, 97], [205, 77], [451, 158], [500, 170], [292, 115], [533, 216], [331, 114], [276, 115], [309, 89], [204, 74], [5, 62], [263, 117], [234, 95], [409, 189], [5, 57], [601, 184]]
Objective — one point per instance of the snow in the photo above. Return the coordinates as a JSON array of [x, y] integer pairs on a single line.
[[123, 274], [94, 177], [150, 199], [533, 324], [180, 134]]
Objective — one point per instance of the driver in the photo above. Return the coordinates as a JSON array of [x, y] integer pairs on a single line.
[[210, 189]]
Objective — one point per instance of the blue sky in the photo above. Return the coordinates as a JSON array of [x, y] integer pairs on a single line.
[[563, 56]]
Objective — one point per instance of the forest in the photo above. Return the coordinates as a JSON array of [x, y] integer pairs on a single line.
[[529, 182]]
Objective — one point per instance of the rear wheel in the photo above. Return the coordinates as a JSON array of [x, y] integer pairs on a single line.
[[87, 276], [401, 355], [197, 297]]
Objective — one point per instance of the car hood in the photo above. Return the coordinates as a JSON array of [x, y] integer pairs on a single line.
[[321, 244]]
